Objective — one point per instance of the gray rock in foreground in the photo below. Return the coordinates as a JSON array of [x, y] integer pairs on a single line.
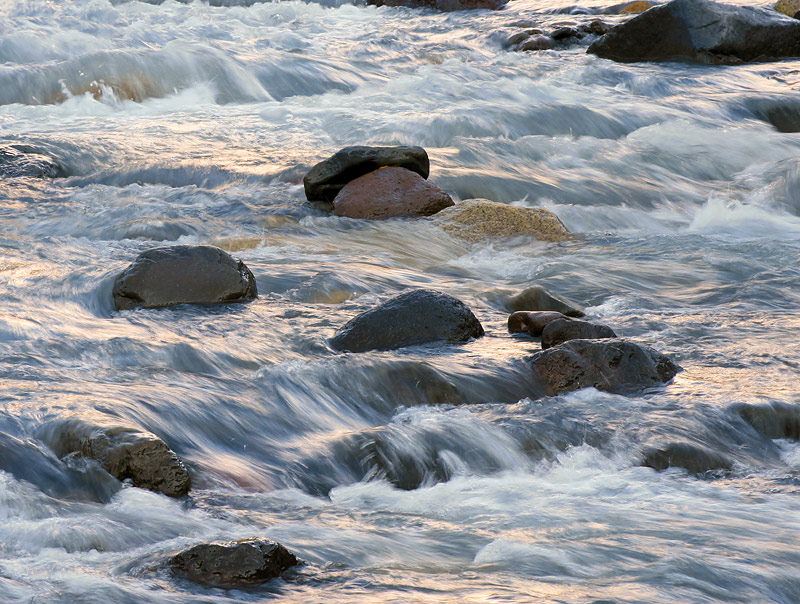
[[612, 365], [702, 30], [324, 181], [233, 564], [692, 458], [183, 274], [415, 317]]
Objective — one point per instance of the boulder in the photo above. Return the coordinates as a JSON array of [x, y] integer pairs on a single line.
[[390, 192], [443, 5], [124, 452], [612, 365], [536, 43], [532, 323], [773, 420], [233, 564], [562, 330], [692, 458], [416, 317], [538, 298], [596, 27], [788, 7], [629, 8], [324, 181], [183, 274], [480, 219], [701, 30], [16, 161]]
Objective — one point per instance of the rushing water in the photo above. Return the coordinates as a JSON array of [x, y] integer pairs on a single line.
[[184, 123]]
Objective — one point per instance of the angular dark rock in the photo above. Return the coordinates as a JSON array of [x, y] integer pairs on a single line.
[[324, 181], [531, 323], [233, 564], [692, 458], [443, 5], [773, 420], [416, 317], [183, 274], [538, 298], [701, 30], [16, 161], [562, 330], [612, 365]]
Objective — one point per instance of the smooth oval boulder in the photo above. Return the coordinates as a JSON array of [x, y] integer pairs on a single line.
[[701, 30], [390, 192], [443, 5], [233, 564], [532, 323], [563, 330], [16, 161], [324, 181], [773, 420], [416, 317], [183, 274], [613, 365], [480, 219], [536, 297], [692, 458], [124, 452]]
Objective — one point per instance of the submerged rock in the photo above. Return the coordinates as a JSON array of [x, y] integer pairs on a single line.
[[390, 192], [480, 219], [443, 5], [183, 274], [612, 365], [538, 298], [701, 30], [416, 317], [692, 458], [17, 161], [563, 330], [324, 181], [773, 420], [233, 564], [531, 322], [124, 452]]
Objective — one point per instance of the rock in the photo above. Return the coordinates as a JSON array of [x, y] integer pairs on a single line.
[[390, 192], [788, 7], [443, 5], [183, 274], [563, 33], [701, 30], [538, 298], [563, 330], [531, 322], [326, 179], [479, 219], [20, 161], [537, 43], [612, 365], [629, 8], [124, 452], [412, 318], [596, 27], [233, 564], [785, 118], [694, 459], [773, 420]]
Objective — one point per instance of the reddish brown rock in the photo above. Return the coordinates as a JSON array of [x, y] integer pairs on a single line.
[[390, 192], [531, 322]]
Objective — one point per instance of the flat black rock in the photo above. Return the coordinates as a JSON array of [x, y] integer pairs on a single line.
[[324, 181], [613, 365], [415, 317], [563, 330], [233, 564], [702, 30], [692, 458], [183, 274]]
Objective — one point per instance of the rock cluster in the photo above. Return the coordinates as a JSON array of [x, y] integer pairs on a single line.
[[535, 38], [444, 5]]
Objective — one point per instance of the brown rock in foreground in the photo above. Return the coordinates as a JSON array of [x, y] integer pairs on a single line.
[[390, 192], [532, 323]]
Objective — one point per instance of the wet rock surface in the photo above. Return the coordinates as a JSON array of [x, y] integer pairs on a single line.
[[415, 317], [21, 161], [535, 38], [531, 323], [390, 192], [773, 420], [562, 330], [701, 30], [538, 298], [233, 564], [613, 365], [693, 458], [324, 181], [790, 8], [444, 5], [183, 274]]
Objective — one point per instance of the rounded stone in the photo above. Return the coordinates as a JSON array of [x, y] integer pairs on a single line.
[[562, 330], [538, 298], [692, 458], [531, 323]]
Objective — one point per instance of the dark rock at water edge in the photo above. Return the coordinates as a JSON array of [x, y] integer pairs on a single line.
[[538, 298], [531, 323], [443, 5], [692, 458], [612, 365], [183, 274], [563, 330], [124, 452], [702, 30], [415, 317], [773, 420], [324, 181], [233, 564], [21, 161]]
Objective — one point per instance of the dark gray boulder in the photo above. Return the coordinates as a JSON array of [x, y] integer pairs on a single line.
[[702, 30], [612, 365], [532, 323], [233, 564], [562, 330], [124, 452], [538, 298], [773, 420], [183, 274], [416, 317], [20, 161], [692, 458], [324, 181]]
